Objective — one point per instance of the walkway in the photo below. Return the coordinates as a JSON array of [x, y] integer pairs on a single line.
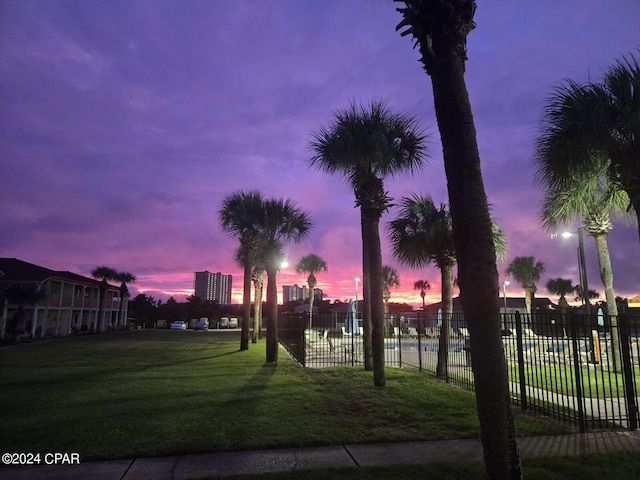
[[188, 467]]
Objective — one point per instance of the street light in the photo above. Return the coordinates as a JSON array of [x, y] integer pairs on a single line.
[[357, 280], [505, 284], [584, 283]]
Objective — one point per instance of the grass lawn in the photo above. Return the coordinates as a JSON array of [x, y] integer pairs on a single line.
[[597, 381], [160, 392]]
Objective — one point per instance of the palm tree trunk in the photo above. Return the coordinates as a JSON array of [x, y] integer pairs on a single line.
[[366, 299], [261, 316], [606, 275], [477, 271], [374, 260], [272, 316], [446, 275], [257, 312], [246, 306]]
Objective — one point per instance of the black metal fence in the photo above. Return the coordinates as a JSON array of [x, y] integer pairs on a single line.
[[580, 369]]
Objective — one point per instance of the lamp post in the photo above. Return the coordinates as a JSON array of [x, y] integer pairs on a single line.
[[582, 266], [505, 284], [504, 298], [357, 280]]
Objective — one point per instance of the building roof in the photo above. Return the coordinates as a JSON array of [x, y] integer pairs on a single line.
[[18, 271], [512, 302]]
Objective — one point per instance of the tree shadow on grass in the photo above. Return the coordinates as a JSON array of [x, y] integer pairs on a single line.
[[250, 392]]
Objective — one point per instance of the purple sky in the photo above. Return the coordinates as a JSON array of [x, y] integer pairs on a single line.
[[123, 125]]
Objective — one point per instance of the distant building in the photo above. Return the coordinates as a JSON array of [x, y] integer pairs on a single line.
[[213, 287], [72, 301], [292, 293]]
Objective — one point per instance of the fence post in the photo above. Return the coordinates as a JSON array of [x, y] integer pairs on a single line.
[[627, 372], [419, 342], [399, 341], [521, 371], [577, 362]]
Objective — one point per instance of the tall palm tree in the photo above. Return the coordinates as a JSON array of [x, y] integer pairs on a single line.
[[281, 220], [239, 216], [526, 271], [21, 295], [423, 234], [104, 274], [562, 287], [390, 279], [311, 264], [366, 145], [123, 278], [439, 29], [588, 125]]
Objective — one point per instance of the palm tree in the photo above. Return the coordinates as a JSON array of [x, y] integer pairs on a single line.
[[123, 278], [580, 298], [420, 235], [239, 216], [311, 264], [366, 145], [423, 286], [281, 220], [562, 287], [21, 295], [104, 274], [526, 271], [439, 29], [423, 234], [594, 195], [390, 280], [589, 126]]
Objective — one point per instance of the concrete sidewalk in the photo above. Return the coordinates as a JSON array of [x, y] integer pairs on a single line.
[[187, 467]]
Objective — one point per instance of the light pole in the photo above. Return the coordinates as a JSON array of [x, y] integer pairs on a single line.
[[505, 284], [582, 266], [357, 280]]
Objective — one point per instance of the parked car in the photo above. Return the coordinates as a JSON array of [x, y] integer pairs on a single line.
[[201, 325], [178, 325], [224, 322], [233, 322]]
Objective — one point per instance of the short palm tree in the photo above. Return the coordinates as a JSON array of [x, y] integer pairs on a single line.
[[367, 144], [390, 279], [580, 298], [123, 278], [104, 274], [586, 125], [562, 287], [526, 271], [281, 220], [21, 295], [423, 286], [239, 216], [311, 264], [423, 234]]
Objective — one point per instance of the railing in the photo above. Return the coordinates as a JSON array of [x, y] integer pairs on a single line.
[[576, 368]]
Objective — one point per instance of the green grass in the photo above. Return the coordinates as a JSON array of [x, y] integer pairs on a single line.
[[152, 393], [597, 381]]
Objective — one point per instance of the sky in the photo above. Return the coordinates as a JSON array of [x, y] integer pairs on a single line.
[[124, 124]]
